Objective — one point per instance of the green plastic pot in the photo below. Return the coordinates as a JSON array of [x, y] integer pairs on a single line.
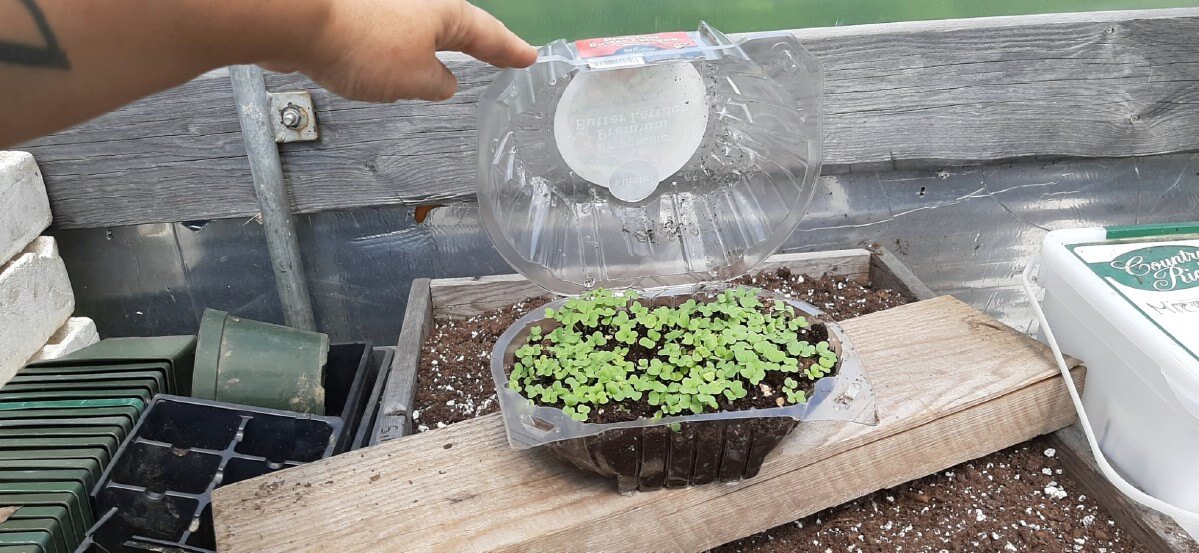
[[259, 364]]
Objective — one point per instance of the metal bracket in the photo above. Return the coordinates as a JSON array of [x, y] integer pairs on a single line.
[[293, 117]]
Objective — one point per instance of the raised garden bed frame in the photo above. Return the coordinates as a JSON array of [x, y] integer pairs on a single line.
[[465, 297]]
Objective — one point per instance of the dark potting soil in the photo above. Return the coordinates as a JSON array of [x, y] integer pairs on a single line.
[[454, 379], [764, 395], [1018, 499], [840, 298]]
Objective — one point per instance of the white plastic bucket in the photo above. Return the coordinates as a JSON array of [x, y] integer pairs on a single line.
[[1125, 301]]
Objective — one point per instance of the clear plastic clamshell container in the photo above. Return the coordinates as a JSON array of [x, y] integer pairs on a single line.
[[649, 160], [646, 454]]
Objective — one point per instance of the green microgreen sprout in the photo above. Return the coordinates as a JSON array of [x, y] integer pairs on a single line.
[[609, 351]]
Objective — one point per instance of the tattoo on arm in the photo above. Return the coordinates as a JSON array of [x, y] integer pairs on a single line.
[[48, 55]]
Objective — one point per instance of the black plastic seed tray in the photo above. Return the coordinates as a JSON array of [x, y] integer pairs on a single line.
[[347, 370], [380, 367], [161, 480]]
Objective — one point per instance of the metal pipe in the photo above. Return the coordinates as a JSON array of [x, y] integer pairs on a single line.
[[253, 110]]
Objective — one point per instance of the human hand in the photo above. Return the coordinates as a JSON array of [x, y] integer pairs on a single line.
[[385, 50]]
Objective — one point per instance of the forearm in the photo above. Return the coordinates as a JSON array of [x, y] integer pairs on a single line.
[[64, 61]]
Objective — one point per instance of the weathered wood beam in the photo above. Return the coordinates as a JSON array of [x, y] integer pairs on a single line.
[[910, 95]]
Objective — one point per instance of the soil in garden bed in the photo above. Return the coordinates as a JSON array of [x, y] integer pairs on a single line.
[[454, 379], [1018, 499]]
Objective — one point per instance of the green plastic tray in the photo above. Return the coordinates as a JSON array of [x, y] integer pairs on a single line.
[[20, 549], [53, 433], [41, 539], [91, 416], [108, 443], [93, 469], [67, 500], [92, 370], [97, 454], [138, 404], [45, 506], [49, 526], [26, 396], [54, 512], [120, 421], [178, 351], [75, 489], [149, 384], [159, 378]]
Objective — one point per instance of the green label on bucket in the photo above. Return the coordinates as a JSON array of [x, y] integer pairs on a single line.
[[1158, 276], [1156, 268]]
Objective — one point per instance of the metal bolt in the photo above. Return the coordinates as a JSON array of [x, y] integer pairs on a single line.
[[291, 116]]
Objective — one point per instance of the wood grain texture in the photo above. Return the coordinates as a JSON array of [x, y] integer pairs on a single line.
[[958, 386], [924, 94], [174, 156], [1158, 532], [400, 389]]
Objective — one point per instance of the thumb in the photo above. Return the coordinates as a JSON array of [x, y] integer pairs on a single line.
[[434, 81]]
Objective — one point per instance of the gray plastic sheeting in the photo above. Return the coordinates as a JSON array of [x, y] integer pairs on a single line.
[[964, 231]]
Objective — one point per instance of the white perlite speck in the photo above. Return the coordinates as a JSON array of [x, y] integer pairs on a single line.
[[979, 516], [1054, 491], [1009, 547], [1050, 452], [1047, 471]]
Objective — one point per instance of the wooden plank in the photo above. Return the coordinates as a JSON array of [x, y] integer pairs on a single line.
[[887, 271], [921, 95], [174, 156], [850, 263], [400, 390], [1157, 532], [957, 386], [467, 297]]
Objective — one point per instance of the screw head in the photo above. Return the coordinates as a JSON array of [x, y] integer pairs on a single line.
[[291, 116]]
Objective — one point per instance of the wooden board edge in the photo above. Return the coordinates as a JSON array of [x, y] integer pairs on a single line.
[[394, 419], [887, 271], [776, 259], [1156, 531], [474, 281]]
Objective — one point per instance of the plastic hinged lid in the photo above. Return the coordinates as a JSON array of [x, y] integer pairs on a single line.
[[649, 160]]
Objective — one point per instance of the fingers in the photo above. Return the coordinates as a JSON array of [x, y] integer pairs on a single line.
[[472, 31]]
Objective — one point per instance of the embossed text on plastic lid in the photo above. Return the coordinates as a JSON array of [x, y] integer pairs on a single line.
[[649, 160]]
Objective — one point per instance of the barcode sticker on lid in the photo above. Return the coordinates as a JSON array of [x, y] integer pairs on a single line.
[[623, 61], [629, 51]]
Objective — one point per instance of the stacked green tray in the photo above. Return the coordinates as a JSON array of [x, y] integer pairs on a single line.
[[61, 421]]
